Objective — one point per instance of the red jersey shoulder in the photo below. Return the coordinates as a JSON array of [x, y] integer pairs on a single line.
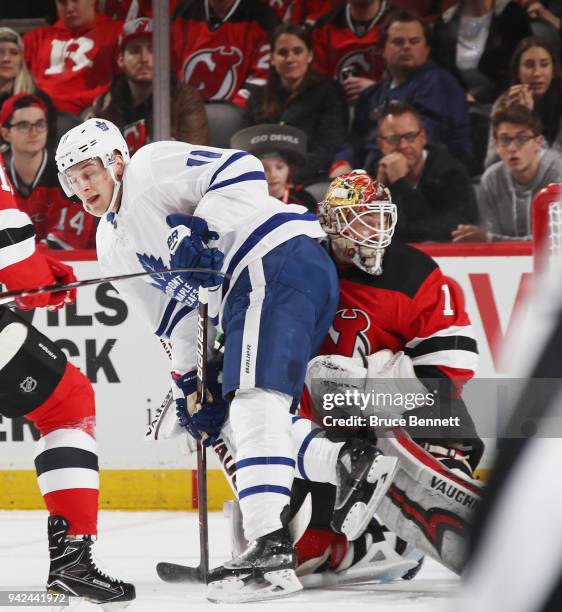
[[337, 46], [73, 66], [218, 58], [383, 312], [405, 270], [7, 199]]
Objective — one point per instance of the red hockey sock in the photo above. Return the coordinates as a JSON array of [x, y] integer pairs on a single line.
[[66, 460]]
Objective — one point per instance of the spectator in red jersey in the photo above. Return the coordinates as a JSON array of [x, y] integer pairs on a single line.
[[297, 95], [302, 11], [128, 103], [129, 9], [222, 47], [281, 149], [346, 45], [16, 78], [475, 39], [74, 59], [57, 220]]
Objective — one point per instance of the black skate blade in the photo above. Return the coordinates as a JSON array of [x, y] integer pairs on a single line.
[[174, 572]]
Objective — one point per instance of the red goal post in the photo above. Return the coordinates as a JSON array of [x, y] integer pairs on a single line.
[[546, 214]]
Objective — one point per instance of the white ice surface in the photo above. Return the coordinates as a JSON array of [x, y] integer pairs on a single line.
[[131, 543]]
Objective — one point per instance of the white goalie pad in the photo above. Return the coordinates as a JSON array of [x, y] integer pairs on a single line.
[[383, 373], [428, 505]]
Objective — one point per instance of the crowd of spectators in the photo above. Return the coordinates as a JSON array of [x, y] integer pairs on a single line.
[[455, 105]]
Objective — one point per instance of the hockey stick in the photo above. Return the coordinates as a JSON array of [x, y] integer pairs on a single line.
[[202, 316], [18, 293], [173, 572]]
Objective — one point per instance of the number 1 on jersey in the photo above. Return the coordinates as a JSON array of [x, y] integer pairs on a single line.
[[447, 308]]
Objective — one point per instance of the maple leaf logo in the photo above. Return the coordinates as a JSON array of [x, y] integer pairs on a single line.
[[153, 264]]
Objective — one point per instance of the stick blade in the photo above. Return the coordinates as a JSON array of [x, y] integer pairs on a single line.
[[174, 572]]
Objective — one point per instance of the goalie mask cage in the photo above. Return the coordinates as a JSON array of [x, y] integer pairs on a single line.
[[547, 225]]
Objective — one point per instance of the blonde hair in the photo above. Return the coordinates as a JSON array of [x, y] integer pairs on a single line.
[[24, 81]]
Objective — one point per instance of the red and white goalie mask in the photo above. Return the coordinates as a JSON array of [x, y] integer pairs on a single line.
[[359, 217]]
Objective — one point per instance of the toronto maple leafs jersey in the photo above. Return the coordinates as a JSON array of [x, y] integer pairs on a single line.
[[225, 187]]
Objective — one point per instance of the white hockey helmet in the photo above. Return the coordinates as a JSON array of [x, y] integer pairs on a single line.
[[342, 212], [95, 138]]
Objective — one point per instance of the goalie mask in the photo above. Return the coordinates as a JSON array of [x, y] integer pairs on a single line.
[[95, 138], [359, 217]]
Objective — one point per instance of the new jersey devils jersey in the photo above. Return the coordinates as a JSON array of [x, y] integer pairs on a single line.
[[340, 43], [300, 11], [129, 9], [20, 263], [73, 66], [410, 307], [225, 58], [56, 219]]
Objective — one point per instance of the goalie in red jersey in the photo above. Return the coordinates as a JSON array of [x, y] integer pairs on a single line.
[[38, 383], [400, 328]]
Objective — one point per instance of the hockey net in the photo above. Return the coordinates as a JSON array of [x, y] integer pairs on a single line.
[[547, 225]]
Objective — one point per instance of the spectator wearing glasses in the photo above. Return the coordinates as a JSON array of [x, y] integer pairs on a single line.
[[413, 78], [535, 82], [57, 220], [430, 187], [509, 186]]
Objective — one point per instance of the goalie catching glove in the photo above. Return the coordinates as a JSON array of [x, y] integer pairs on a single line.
[[210, 416]]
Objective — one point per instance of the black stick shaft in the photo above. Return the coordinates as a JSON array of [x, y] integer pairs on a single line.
[[18, 293], [202, 316]]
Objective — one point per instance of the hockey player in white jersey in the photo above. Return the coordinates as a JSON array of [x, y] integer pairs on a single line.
[[176, 205]]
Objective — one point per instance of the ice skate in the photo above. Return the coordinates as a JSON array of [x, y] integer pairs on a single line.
[[265, 570], [74, 572], [363, 477]]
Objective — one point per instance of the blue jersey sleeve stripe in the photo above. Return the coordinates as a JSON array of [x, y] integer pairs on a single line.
[[256, 175], [303, 448], [233, 158], [166, 317], [197, 162], [265, 461], [263, 489], [210, 154], [183, 312], [268, 226]]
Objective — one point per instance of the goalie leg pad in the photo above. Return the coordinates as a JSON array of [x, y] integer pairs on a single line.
[[427, 505]]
